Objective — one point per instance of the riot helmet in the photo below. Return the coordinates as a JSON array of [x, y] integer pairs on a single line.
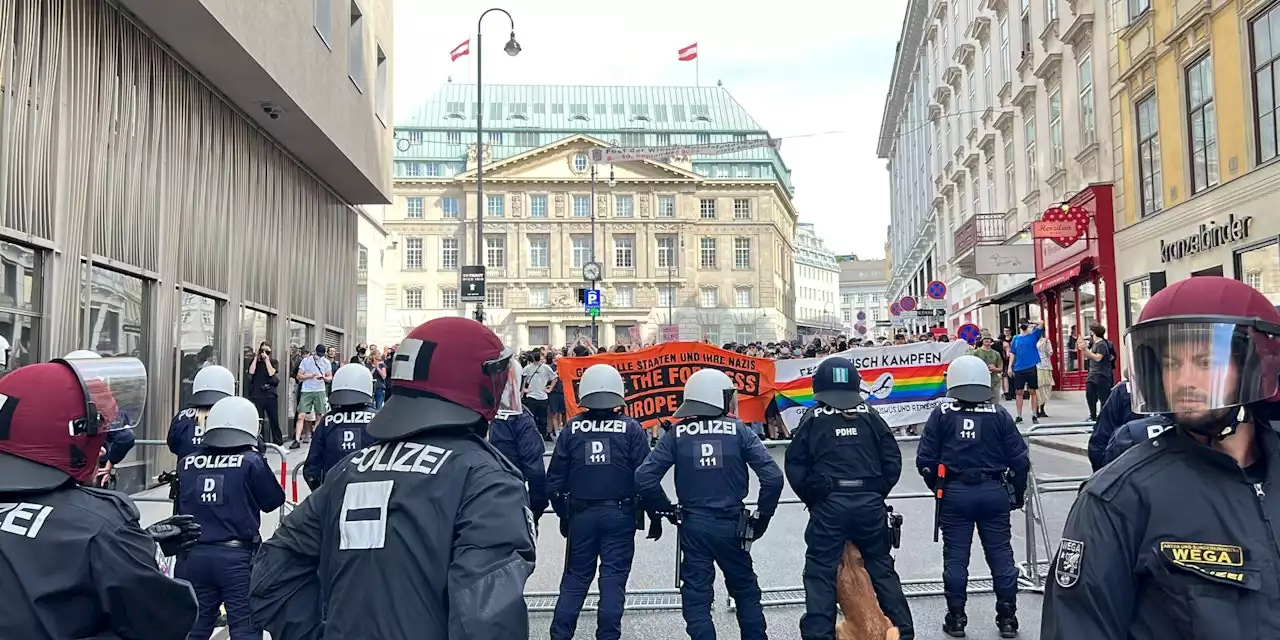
[[352, 386], [708, 393], [212, 384], [81, 354], [837, 384], [601, 388], [969, 380], [231, 423]]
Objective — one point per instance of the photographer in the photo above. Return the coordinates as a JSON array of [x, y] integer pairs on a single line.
[[261, 389]]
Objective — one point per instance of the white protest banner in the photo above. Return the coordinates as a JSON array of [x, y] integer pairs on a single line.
[[904, 383], [624, 154]]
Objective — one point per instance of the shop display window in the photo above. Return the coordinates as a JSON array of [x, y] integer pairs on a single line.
[[1259, 267]]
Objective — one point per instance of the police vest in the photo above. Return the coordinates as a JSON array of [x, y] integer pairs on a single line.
[[344, 433], [970, 436], [215, 487], [707, 451], [601, 463], [187, 431]]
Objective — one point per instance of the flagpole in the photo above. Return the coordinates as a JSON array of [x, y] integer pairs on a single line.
[[697, 72]]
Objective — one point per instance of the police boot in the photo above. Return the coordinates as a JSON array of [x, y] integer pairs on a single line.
[[1007, 620], [955, 622]]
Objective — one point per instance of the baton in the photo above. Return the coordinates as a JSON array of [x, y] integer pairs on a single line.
[[937, 495]]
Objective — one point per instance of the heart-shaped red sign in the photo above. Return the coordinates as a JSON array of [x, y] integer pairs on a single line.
[[1065, 213]]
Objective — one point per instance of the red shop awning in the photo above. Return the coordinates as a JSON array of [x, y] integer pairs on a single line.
[[1058, 278]]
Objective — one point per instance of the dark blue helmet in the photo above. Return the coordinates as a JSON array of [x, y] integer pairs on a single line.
[[837, 384]]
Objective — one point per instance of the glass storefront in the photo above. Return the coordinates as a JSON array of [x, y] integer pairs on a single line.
[[20, 304], [199, 336], [1259, 267], [301, 343], [117, 314], [1136, 294], [1068, 325], [255, 328]]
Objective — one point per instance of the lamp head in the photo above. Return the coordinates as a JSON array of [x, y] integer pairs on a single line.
[[513, 47]]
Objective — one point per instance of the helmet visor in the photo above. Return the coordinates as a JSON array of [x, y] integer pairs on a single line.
[[510, 403], [115, 390], [504, 375], [1189, 365]]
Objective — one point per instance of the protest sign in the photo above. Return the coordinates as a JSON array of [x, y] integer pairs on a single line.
[[654, 378], [904, 383]]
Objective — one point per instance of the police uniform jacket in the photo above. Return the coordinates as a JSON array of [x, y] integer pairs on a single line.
[[426, 537], [832, 446], [119, 443], [227, 490], [76, 564], [1115, 413], [596, 457], [518, 439], [973, 441], [711, 456], [1133, 432], [1172, 540], [340, 433], [186, 433]]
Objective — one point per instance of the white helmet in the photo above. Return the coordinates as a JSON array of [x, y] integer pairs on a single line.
[[969, 380], [212, 384], [81, 354], [708, 393], [601, 388], [352, 385], [232, 422]]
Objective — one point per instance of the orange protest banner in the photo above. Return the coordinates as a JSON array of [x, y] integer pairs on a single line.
[[655, 377]]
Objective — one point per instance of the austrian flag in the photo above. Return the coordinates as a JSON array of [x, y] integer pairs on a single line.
[[463, 49], [689, 53]]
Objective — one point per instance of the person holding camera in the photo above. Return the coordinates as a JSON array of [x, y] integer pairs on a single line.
[[261, 389]]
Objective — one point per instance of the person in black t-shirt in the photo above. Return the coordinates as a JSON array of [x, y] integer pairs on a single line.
[[1101, 357]]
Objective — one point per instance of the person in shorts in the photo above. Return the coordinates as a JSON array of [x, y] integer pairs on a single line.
[[313, 372], [1024, 356]]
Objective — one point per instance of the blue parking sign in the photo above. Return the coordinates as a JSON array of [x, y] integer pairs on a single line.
[[592, 298]]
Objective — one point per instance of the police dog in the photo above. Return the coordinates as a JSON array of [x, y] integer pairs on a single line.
[[863, 619]]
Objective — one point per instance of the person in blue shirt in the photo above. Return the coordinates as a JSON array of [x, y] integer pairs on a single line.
[[342, 431], [711, 450], [227, 485], [592, 480], [987, 464], [1024, 355]]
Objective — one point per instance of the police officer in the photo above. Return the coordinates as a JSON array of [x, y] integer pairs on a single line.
[[62, 537], [426, 534], [186, 430], [342, 430], [986, 465], [842, 462], [514, 432], [1177, 537], [592, 479], [711, 450], [1115, 413], [1133, 432], [227, 485]]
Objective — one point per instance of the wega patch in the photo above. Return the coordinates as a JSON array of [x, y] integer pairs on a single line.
[[1066, 571], [1221, 561]]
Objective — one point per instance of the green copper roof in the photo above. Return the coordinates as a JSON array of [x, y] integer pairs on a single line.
[[519, 118]]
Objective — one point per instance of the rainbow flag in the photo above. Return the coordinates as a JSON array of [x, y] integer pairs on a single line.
[[910, 384]]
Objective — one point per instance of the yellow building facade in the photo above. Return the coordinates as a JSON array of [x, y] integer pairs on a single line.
[[1194, 101]]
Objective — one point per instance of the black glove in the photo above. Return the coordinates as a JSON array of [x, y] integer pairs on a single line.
[[1019, 501], [564, 528], [175, 534], [761, 525], [930, 475], [655, 527]]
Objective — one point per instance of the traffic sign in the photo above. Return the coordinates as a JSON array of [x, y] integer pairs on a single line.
[[472, 283], [861, 329], [937, 290], [895, 309], [907, 303], [862, 315], [969, 332], [884, 323], [591, 297]]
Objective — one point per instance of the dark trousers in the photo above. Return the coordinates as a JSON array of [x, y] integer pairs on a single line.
[[267, 408], [706, 542], [539, 410], [1096, 392], [601, 532], [985, 506], [859, 518], [219, 576]]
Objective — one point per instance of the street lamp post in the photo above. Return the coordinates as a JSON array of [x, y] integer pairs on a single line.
[[512, 49], [595, 338]]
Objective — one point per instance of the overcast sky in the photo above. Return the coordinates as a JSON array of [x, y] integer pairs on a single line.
[[800, 68]]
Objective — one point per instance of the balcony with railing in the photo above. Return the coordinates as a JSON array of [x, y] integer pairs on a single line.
[[980, 229]]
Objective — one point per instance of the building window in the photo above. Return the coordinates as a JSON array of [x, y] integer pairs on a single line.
[[538, 299], [1266, 71], [711, 333], [973, 191], [580, 163], [742, 297], [1149, 175], [324, 23], [666, 252], [413, 207], [413, 298], [707, 253], [362, 262], [495, 297], [448, 254], [119, 305], [1010, 174], [449, 298], [1033, 172], [413, 253], [741, 209], [1055, 128], [1204, 125], [709, 298], [539, 335], [1260, 268], [961, 201], [355, 47], [200, 332], [666, 206], [666, 296], [450, 209], [663, 139], [538, 206], [624, 296], [582, 206], [624, 206], [703, 138], [624, 252], [540, 251], [581, 250], [742, 253], [1050, 10], [495, 137], [987, 98], [495, 252], [989, 175], [1088, 121], [494, 205], [1137, 8], [1136, 294], [707, 209], [453, 137], [1005, 64], [381, 98]]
